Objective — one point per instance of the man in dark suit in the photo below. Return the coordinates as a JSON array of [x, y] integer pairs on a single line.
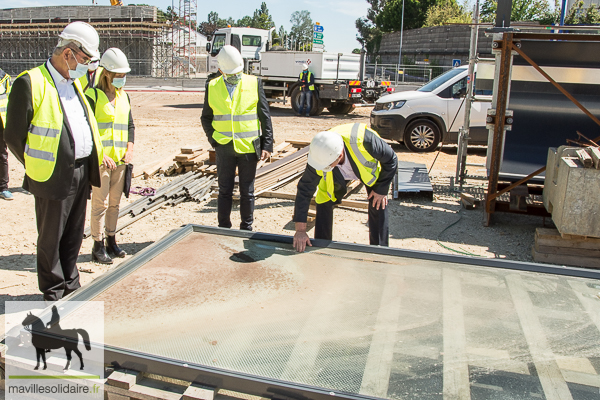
[[52, 131]]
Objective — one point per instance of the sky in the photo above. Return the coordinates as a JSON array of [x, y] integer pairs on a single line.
[[336, 16]]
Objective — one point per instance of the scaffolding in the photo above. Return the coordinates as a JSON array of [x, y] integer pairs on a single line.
[[184, 39], [157, 49]]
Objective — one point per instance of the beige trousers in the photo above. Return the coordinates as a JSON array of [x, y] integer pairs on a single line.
[[105, 200]]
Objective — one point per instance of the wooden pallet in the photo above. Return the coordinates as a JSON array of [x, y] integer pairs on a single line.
[[577, 251]]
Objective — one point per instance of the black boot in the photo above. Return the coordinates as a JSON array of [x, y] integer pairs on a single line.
[[113, 249], [99, 253]]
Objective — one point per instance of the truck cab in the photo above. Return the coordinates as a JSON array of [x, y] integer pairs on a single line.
[[251, 42]]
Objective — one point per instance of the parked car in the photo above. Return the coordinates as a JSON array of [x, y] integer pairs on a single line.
[[423, 118]]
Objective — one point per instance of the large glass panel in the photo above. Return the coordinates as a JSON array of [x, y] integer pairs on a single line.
[[386, 326]]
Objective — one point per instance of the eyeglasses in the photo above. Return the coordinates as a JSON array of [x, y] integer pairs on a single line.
[[86, 59]]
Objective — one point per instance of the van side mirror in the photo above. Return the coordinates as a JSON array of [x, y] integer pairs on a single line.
[[208, 47]]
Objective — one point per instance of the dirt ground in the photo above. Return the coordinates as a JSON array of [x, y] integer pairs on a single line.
[[167, 121]]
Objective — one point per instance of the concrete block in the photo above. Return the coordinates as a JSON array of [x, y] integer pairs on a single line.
[[123, 379], [571, 194]]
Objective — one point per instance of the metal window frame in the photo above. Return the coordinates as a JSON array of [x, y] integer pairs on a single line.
[[252, 384]]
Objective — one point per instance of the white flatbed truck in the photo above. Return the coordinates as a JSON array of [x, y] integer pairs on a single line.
[[337, 84]]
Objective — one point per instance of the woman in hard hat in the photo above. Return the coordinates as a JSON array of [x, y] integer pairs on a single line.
[[113, 112]]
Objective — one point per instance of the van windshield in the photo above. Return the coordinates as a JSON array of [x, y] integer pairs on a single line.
[[218, 42], [440, 80]]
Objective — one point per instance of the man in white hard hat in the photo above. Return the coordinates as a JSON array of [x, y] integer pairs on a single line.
[[52, 131], [307, 88], [237, 122], [337, 156]]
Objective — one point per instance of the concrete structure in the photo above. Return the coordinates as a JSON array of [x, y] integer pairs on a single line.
[[439, 45]]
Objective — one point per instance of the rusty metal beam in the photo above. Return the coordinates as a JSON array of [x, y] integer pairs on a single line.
[[501, 103], [514, 185]]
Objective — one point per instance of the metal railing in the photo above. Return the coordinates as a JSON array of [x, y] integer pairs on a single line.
[[404, 74]]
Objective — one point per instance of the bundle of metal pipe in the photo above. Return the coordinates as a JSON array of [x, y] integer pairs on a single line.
[[193, 186]]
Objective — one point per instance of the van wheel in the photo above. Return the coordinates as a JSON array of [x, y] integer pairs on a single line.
[[315, 105], [422, 136]]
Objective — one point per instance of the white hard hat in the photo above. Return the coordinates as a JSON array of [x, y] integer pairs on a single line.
[[230, 60], [325, 148], [83, 33], [114, 60], [305, 66]]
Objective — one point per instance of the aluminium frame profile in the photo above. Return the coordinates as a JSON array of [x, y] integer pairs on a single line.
[[252, 384]]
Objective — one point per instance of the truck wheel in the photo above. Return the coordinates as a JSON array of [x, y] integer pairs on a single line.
[[422, 136], [341, 108], [316, 108]]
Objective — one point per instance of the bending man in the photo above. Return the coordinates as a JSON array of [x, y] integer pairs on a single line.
[[337, 156]]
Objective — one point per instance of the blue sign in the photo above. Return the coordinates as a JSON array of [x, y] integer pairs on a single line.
[[455, 63], [318, 28]]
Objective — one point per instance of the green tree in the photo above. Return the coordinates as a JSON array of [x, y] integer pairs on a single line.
[[245, 21], [450, 12], [356, 51], [579, 15], [522, 10], [302, 26], [212, 23], [415, 12], [262, 19]]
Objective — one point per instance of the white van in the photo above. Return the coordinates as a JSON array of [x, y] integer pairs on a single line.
[[423, 118]]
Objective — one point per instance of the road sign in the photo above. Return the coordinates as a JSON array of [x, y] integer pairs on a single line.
[[318, 28], [455, 62], [317, 35], [317, 41], [318, 46]]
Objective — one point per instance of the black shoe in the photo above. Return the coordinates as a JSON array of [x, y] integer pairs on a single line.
[[113, 249], [99, 253]]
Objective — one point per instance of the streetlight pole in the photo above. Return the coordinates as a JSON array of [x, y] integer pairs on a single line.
[[401, 32]]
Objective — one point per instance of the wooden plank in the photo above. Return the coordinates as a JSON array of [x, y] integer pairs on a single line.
[[123, 379], [199, 392], [190, 149], [551, 237], [567, 251], [456, 361], [301, 143], [153, 169], [572, 162], [561, 259], [551, 379], [290, 196], [187, 157], [584, 158], [378, 367]]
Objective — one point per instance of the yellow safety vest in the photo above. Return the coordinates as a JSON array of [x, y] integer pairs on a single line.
[[46, 126], [4, 91], [310, 87], [113, 122], [83, 81], [368, 167], [236, 117]]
